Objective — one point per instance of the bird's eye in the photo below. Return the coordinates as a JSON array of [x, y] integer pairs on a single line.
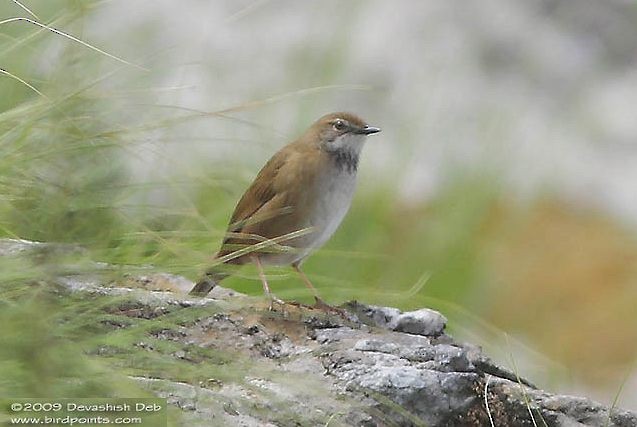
[[339, 125]]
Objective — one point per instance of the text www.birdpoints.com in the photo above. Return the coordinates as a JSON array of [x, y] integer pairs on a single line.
[[86, 411]]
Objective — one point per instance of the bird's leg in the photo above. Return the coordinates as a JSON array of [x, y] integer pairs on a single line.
[[319, 303], [266, 288], [307, 282]]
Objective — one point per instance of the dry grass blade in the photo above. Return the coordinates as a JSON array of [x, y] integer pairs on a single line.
[[277, 98], [417, 287], [164, 123], [263, 245], [8, 232], [521, 385], [405, 295], [331, 418], [246, 10], [26, 9], [616, 400], [70, 37], [344, 253], [13, 76], [242, 107], [486, 399]]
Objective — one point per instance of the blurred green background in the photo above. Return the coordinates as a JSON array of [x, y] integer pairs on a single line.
[[501, 191]]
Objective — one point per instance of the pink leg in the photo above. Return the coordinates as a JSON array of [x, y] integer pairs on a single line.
[[305, 280], [319, 302], [264, 281]]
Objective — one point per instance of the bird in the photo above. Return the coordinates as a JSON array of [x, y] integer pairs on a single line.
[[295, 203]]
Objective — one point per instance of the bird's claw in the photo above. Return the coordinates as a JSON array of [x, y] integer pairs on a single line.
[[275, 300], [319, 304]]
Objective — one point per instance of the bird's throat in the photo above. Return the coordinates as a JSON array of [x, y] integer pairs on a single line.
[[344, 151], [345, 159]]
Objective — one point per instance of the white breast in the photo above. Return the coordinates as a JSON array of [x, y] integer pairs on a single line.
[[334, 197]]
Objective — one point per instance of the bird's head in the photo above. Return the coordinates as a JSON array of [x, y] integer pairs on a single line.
[[342, 132]]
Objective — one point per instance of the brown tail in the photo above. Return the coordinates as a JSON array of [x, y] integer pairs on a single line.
[[207, 283]]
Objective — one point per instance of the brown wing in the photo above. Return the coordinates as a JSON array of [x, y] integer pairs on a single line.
[[270, 207], [260, 192]]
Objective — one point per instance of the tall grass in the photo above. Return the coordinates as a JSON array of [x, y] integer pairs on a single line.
[[68, 132], [67, 178]]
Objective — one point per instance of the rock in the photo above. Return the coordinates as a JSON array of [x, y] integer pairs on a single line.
[[376, 345], [420, 322], [306, 367], [424, 322], [16, 246]]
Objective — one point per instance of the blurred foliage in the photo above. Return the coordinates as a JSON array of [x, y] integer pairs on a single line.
[[65, 177], [62, 177], [38, 358]]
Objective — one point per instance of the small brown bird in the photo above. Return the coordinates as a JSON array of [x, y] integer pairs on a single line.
[[296, 202]]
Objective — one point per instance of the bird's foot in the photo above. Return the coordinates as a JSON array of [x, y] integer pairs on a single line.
[[275, 300]]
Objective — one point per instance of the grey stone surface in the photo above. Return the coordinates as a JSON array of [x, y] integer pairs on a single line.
[[382, 367], [424, 322], [388, 377], [17, 246]]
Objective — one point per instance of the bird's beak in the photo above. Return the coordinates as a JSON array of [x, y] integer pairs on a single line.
[[368, 130]]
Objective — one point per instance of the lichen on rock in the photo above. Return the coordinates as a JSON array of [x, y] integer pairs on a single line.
[[228, 360]]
